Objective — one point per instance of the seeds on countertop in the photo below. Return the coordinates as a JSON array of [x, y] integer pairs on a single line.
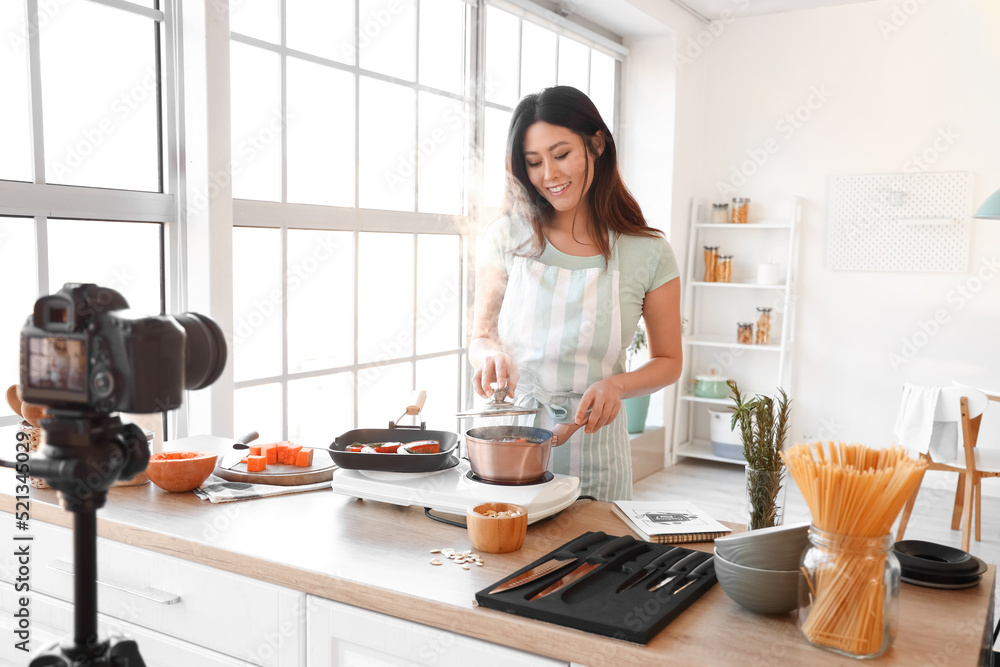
[[464, 558]]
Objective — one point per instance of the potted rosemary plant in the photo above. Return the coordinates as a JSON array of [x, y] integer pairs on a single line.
[[636, 408], [763, 427]]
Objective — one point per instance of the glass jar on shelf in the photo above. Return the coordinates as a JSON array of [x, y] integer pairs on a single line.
[[720, 213], [763, 326], [744, 333], [724, 269], [741, 210], [711, 261], [849, 593]]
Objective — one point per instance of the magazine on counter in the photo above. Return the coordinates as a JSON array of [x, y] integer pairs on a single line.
[[668, 521]]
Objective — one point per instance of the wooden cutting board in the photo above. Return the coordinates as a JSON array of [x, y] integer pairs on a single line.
[[280, 474]]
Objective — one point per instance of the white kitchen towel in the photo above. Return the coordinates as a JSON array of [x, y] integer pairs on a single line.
[[218, 490], [916, 428]]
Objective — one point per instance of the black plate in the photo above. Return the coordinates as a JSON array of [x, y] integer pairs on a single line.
[[393, 462], [932, 558]]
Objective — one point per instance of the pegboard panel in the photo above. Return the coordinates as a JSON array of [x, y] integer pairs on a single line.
[[899, 222]]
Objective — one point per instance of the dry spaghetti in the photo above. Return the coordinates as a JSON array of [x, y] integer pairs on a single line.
[[854, 493]]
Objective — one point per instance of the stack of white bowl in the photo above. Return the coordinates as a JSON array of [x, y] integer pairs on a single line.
[[759, 569]]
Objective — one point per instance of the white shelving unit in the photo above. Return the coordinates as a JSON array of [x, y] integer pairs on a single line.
[[713, 309]]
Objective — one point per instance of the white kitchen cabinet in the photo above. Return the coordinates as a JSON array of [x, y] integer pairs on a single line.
[[52, 620], [252, 621], [713, 309], [340, 635]]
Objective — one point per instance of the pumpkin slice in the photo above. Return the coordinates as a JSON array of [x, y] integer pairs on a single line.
[[256, 463], [180, 471], [304, 459]]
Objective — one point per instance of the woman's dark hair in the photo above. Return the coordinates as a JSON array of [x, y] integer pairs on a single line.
[[612, 206]]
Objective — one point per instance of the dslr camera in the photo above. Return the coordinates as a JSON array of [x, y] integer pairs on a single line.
[[83, 349]]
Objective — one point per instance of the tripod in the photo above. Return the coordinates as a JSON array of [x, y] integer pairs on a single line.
[[85, 453]]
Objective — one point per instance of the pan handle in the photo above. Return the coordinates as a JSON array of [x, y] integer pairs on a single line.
[[417, 399], [562, 432]]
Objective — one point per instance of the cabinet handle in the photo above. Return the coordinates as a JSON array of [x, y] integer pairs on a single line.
[[156, 595]]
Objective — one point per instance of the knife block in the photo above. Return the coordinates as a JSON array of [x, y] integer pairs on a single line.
[[591, 603]]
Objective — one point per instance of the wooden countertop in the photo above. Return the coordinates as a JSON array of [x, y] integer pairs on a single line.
[[377, 556]]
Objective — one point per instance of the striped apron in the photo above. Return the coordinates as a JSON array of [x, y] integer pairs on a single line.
[[563, 328]]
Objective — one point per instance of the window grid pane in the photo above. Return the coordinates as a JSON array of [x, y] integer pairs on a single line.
[[73, 245], [18, 266], [256, 122], [414, 148], [15, 112], [99, 98]]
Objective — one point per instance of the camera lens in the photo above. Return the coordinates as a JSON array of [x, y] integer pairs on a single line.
[[205, 352]]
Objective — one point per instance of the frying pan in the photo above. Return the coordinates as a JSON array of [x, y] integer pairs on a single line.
[[396, 433]]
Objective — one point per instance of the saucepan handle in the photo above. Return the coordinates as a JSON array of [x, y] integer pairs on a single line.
[[562, 432]]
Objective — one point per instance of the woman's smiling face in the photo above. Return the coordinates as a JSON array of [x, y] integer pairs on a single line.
[[558, 164]]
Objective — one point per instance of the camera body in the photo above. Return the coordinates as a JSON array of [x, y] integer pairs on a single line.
[[84, 349]]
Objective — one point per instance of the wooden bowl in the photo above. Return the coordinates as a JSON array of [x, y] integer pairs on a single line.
[[180, 471], [496, 534]]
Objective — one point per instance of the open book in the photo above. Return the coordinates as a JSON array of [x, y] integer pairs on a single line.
[[668, 521]]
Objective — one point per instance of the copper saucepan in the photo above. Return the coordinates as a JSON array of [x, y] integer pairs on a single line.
[[496, 456]]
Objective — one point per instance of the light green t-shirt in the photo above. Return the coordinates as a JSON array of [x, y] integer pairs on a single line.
[[644, 263]]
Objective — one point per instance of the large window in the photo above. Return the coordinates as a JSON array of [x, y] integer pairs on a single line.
[[84, 105], [367, 140]]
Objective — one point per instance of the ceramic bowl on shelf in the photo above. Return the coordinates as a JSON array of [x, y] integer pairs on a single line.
[[711, 386], [774, 548], [496, 528], [762, 591]]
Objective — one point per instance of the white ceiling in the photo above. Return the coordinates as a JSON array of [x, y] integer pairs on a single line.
[[622, 17], [711, 8]]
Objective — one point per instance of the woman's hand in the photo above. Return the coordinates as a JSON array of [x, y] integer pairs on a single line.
[[497, 367], [604, 401]]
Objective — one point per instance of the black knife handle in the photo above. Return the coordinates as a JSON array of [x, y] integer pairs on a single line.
[[585, 540], [609, 548], [701, 567], [661, 559], [626, 555], [683, 562]]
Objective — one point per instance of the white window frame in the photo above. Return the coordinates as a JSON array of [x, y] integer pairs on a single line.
[[41, 201], [263, 214]]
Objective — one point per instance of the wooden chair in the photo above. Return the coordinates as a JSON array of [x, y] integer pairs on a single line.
[[963, 406]]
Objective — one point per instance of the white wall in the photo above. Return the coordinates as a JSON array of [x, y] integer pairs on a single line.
[[890, 83]]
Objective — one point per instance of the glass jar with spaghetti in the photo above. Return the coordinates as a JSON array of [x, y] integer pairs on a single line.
[[711, 262], [849, 593], [724, 269], [741, 210], [763, 326]]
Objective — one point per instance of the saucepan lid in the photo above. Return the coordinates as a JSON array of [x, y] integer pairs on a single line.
[[498, 406]]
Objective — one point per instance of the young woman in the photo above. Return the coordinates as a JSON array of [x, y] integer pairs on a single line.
[[561, 282]]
